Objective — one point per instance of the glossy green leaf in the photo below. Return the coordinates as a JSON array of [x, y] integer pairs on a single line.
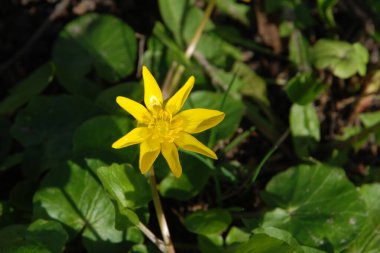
[[40, 237], [126, 185], [208, 222], [268, 240], [304, 127], [94, 41], [107, 99], [95, 136], [317, 204], [50, 234], [28, 88], [12, 240], [46, 117], [172, 13], [71, 195], [47, 124], [304, 88], [237, 235], [195, 175], [342, 58], [233, 108], [369, 238]]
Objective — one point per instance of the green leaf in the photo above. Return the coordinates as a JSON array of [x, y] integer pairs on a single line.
[[95, 136], [236, 235], [46, 117], [253, 85], [107, 99], [317, 204], [236, 10], [342, 58], [325, 9], [94, 41], [41, 236], [268, 240], [28, 88], [210, 243], [191, 22], [12, 240], [304, 88], [71, 195], [157, 50], [299, 51], [172, 13], [47, 124], [126, 185], [49, 234], [217, 50], [369, 238], [213, 221], [304, 126], [194, 177], [370, 118], [233, 108]]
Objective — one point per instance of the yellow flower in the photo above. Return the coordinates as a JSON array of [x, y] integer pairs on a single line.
[[161, 127]]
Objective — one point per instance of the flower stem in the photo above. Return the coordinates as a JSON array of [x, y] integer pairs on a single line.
[[160, 213]]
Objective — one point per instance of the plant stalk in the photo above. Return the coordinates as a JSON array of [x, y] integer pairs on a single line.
[[160, 213]]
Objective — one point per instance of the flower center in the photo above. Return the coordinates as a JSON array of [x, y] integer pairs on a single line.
[[161, 126]]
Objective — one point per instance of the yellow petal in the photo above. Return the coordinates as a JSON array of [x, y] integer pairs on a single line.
[[197, 120], [188, 142], [170, 152], [138, 111], [149, 150], [152, 92], [135, 136], [176, 102]]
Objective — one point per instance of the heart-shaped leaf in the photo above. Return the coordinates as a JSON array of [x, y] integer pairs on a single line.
[[71, 195], [94, 41], [317, 204]]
